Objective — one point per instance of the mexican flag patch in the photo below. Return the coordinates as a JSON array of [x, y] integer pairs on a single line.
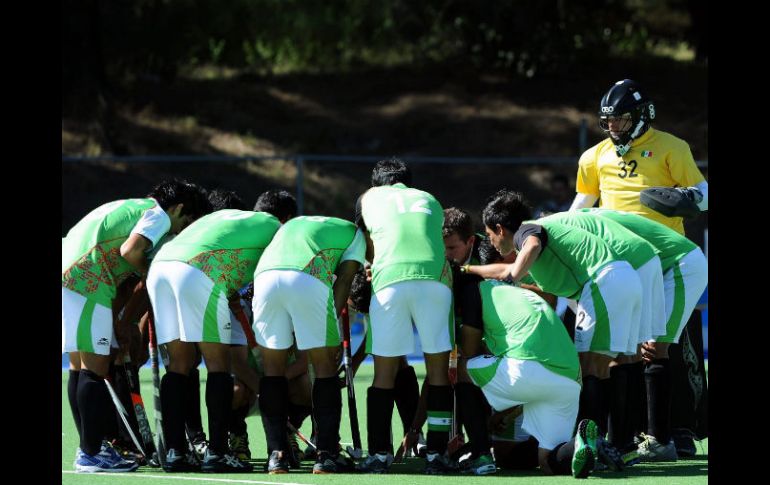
[[646, 154]]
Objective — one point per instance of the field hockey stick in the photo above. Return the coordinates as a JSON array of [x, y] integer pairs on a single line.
[[355, 452], [139, 409], [161, 443], [123, 415]]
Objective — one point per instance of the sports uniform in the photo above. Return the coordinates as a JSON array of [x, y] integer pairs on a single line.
[[92, 268], [300, 263]]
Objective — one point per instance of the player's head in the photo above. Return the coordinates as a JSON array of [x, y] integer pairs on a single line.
[[225, 199], [502, 216], [625, 113], [459, 237], [487, 252], [360, 292], [279, 203], [183, 201], [389, 172]]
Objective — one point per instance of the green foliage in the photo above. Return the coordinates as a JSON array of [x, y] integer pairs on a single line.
[[524, 37]]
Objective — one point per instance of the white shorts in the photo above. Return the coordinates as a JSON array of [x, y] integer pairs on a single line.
[[609, 311], [86, 326], [550, 400], [393, 310], [287, 301], [653, 317], [187, 305], [683, 285]]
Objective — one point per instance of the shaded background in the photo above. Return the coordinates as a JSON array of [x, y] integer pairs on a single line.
[[392, 77]]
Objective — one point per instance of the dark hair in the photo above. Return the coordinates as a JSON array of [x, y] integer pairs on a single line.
[[279, 203], [487, 252], [457, 221], [225, 199], [507, 208], [360, 292], [172, 192], [389, 172]]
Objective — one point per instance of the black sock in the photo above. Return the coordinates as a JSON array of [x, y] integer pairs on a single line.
[[603, 423], [327, 411], [657, 375], [635, 400], [219, 399], [298, 413], [173, 394], [407, 395], [590, 400], [238, 419], [96, 411], [273, 405], [560, 458], [472, 406], [618, 433], [192, 404], [440, 411], [379, 413], [72, 395]]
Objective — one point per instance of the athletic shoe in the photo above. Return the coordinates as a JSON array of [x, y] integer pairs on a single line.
[[239, 446], [631, 458], [199, 445], [609, 456], [325, 464], [436, 464], [277, 463], [422, 447], [481, 465], [223, 463], [377, 463], [177, 462], [78, 452], [107, 460], [684, 442], [652, 450], [585, 453]]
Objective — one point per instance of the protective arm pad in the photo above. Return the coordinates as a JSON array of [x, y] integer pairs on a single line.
[[671, 201]]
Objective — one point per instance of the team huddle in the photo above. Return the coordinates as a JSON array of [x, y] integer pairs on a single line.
[[262, 296]]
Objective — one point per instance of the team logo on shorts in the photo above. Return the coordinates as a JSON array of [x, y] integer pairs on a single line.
[[103, 341]]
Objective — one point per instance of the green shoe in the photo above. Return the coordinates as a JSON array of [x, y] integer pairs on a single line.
[[483, 465], [585, 449]]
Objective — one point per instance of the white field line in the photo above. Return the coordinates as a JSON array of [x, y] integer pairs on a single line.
[[197, 479]]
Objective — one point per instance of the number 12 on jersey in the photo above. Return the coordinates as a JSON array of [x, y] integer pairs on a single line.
[[417, 206]]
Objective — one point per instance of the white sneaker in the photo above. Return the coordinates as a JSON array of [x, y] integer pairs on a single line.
[[652, 450]]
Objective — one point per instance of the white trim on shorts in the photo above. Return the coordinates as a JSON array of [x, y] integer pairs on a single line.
[[180, 296], [288, 301], [653, 316], [425, 303], [620, 290], [102, 337], [550, 401], [694, 270]]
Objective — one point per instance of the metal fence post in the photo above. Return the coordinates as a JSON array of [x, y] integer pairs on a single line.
[[300, 189]]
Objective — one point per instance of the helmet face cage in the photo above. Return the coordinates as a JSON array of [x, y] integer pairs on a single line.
[[625, 101]]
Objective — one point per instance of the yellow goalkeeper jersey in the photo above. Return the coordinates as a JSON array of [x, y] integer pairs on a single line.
[[656, 159]]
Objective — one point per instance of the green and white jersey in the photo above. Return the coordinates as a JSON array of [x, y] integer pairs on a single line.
[[670, 245], [521, 325], [91, 262], [627, 245], [570, 256], [405, 227], [226, 245], [314, 245]]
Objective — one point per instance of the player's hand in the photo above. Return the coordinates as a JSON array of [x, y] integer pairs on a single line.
[[691, 193], [648, 352], [409, 442], [498, 422]]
